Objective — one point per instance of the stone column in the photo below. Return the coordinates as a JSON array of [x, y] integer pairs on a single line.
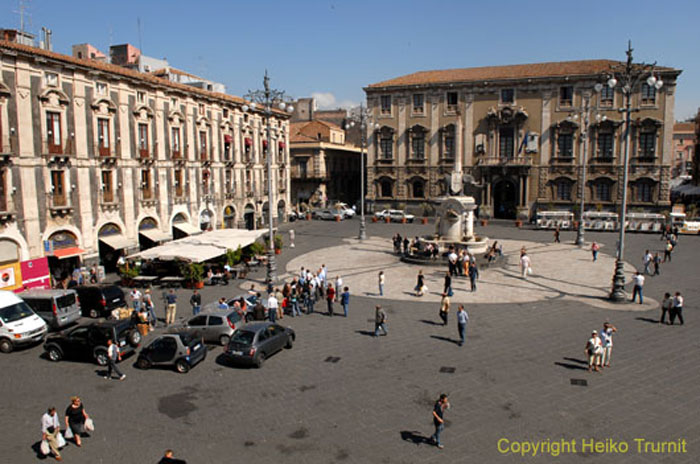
[[467, 134]]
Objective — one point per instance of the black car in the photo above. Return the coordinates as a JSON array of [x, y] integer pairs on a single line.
[[90, 341], [100, 300], [182, 350], [254, 343]]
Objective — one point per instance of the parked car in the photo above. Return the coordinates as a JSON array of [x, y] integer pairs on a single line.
[[213, 326], [396, 215], [100, 300], [19, 325], [345, 209], [59, 308], [254, 343], [182, 351], [325, 214], [89, 341]]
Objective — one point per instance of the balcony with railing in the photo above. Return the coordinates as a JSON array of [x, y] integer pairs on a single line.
[[58, 152], [504, 160], [147, 153]]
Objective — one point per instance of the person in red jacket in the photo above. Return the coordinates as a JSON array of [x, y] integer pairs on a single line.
[[330, 297]]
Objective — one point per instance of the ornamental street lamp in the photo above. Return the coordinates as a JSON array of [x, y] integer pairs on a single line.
[[628, 77], [585, 114], [361, 118], [268, 98]]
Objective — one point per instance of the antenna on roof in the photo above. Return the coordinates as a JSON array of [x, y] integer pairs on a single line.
[[21, 9], [138, 25]]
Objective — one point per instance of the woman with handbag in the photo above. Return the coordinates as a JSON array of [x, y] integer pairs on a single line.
[[75, 420], [420, 284]]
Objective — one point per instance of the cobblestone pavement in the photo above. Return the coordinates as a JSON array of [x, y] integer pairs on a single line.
[[512, 380]]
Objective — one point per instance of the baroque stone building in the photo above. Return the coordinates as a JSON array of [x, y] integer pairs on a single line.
[[96, 159], [516, 131]]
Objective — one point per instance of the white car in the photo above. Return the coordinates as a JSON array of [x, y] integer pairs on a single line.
[[347, 211], [396, 215]]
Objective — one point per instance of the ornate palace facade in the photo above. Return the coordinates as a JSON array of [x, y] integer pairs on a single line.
[[516, 132], [97, 159]]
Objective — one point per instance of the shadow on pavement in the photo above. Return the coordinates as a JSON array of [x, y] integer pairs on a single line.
[[571, 366], [36, 447], [415, 437], [445, 339], [580, 361], [425, 321], [369, 333], [646, 319]]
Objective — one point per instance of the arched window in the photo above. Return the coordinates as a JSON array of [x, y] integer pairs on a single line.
[[563, 189], [644, 191], [386, 188], [418, 188]]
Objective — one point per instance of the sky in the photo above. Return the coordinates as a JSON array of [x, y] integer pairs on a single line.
[[332, 49]]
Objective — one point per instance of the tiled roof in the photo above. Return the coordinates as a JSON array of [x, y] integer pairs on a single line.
[[495, 73], [296, 128], [684, 127], [171, 70], [125, 72]]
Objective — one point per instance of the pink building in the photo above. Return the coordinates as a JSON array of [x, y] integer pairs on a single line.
[[88, 52], [683, 146]]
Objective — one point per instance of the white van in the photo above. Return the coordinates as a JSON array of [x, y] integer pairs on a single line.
[[18, 323]]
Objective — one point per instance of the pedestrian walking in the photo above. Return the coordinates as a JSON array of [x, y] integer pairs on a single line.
[[594, 250], [272, 306], [345, 300], [420, 284], [447, 287], [462, 321], [606, 338], [594, 351], [444, 307], [222, 305], [150, 307], [171, 311], [169, 458], [677, 308], [647, 260], [50, 428], [473, 274], [452, 261], [556, 235], [381, 283], [668, 248], [525, 264], [330, 297], [135, 295], [439, 419], [292, 236], [380, 320], [638, 280], [338, 286], [196, 302], [75, 420], [113, 355], [657, 264], [666, 308]]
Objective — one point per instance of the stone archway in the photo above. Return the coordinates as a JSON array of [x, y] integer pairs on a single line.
[[281, 209], [229, 217], [249, 216]]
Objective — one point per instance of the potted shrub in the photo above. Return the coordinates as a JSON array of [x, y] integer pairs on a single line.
[[128, 273], [428, 210], [374, 218], [387, 219], [234, 257], [193, 274], [518, 223], [278, 244]]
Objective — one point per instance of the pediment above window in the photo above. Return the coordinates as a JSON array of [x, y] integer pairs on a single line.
[[143, 111], [176, 116], [418, 129], [648, 122], [54, 96], [507, 114], [104, 105]]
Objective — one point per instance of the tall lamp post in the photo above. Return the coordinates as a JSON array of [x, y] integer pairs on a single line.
[[585, 121], [268, 98], [628, 77], [362, 118]]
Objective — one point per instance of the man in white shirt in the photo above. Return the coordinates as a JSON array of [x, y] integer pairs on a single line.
[[647, 260], [135, 295], [638, 280], [50, 428], [272, 305], [338, 286], [452, 259], [525, 264], [113, 355], [606, 336], [677, 308], [322, 274]]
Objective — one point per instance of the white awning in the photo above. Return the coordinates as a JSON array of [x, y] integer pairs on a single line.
[[116, 241], [187, 228], [203, 247], [155, 235]]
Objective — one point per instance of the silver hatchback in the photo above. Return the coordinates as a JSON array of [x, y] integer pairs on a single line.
[[215, 326]]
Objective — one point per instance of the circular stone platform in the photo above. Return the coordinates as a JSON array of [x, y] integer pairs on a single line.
[[560, 271]]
